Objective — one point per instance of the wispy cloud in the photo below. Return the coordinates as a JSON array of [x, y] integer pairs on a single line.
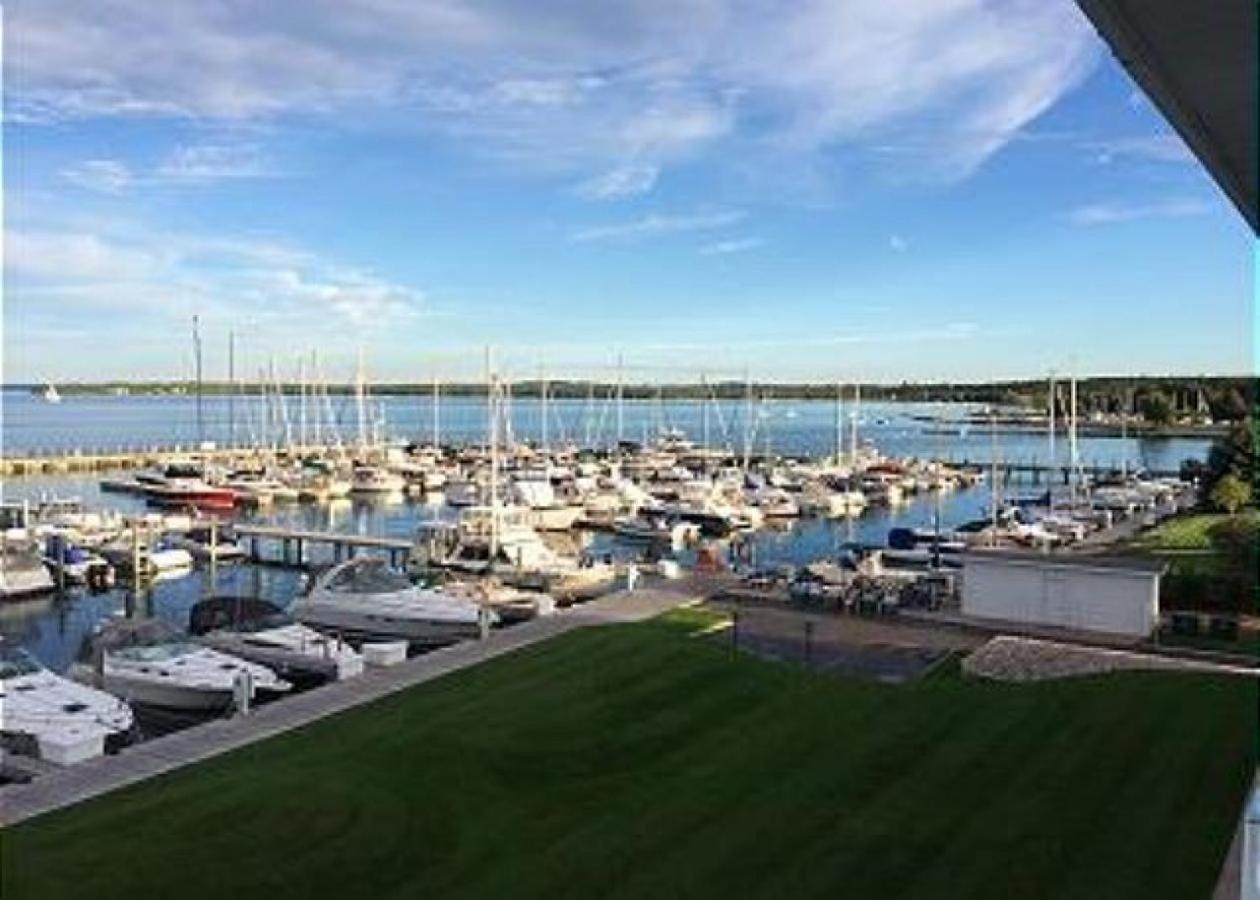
[[629, 180], [107, 176], [655, 224], [1167, 148], [1111, 213], [735, 245], [199, 163], [576, 85], [898, 244]]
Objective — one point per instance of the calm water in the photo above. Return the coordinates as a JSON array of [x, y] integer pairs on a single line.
[[53, 629]]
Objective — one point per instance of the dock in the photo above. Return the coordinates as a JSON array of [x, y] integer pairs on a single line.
[[87, 460], [74, 784], [294, 542]]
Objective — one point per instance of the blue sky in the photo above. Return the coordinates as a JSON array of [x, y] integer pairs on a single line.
[[876, 189]]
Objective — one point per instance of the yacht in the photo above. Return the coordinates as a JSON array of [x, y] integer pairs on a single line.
[[261, 633], [365, 597], [57, 719], [22, 572], [374, 480], [145, 661]]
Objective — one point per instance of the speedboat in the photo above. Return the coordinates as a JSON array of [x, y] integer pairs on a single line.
[[365, 597], [260, 632], [75, 564], [182, 484], [22, 572], [53, 717], [145, 661]]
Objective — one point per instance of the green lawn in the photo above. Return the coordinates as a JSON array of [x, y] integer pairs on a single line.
[[1188, 532], [638, 761]]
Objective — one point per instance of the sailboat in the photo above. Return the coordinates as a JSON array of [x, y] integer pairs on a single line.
[[48, 393]]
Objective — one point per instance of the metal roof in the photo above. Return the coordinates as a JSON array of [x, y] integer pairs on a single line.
[[1196, 60], [1061, 560]]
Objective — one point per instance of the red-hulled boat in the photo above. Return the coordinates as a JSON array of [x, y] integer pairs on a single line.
[[182, 485]]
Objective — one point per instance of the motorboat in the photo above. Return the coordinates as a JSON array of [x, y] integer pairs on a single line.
[[75, 564], [261, 632], [22, 571], [364, 597], [501, 543], [52, 717], [183, 484], [145, 661], [375, 480]]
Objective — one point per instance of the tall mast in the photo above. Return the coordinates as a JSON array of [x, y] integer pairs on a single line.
[[196, 336], [360, 400], [302, 401], [748, 412], [704, 418], [839, 424], [1072, 444], [993, 473], [316, 406], [853, 430], [621, 397], [437, 422], [492, 427], [542, 382], [231, 389], [1054, 389]]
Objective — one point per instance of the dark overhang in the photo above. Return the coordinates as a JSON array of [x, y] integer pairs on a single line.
[[1196, 60]]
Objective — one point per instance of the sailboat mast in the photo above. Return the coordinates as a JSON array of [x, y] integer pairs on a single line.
[[360, 401], [492, 427], [853, 430], [542, 383], [839, 424], [196, 336], [231, 389], [437, 422], [1050, 435], [621, 400], [1072, 443]]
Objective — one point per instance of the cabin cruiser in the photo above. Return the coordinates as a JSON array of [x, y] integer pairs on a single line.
[[183, 484], [75, 564], [22, 571], [656, 528], [547, 512], [157, 559], [145, 661], [502, 543], [53, 717], [260, 632], [365, 597], [375, 480]]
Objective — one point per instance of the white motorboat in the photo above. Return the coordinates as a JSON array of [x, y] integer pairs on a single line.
[[260, 632], [22, 571], [62, 721], [365, 597], [146, 662], [200, 543], [75, 564], [374, 480]]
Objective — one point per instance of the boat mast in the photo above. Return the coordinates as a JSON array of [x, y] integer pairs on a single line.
[[853, 430], [542, 383], [839, 423], [437, 426], [704, 419], [231, 389], [1072, 442], [748, 412], [1052, 403], [993, 474], [196, 336], [302, 401], [621, 399], [492, 428], [360, 401]]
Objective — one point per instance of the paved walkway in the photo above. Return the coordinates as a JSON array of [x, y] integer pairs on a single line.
[[73, 784]]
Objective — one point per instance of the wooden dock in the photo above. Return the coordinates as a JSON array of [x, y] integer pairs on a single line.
[[294, 542], [83, 460]]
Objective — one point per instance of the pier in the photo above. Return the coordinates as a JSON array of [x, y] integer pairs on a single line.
[[83, 460], [293, 543]]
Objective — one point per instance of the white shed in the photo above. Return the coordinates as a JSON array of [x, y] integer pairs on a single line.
[[1108, 594]]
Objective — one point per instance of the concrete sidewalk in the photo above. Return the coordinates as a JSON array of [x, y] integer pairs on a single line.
[[73, 784]]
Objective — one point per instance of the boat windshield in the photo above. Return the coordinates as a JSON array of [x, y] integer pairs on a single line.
[[155, 653], [15, 663], [369, 580]]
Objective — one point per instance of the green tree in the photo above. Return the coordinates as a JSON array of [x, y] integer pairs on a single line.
[[1156, 408], [1230, 494]]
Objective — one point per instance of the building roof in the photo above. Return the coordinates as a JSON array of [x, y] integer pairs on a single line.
[[1197, 63], [1063, 560]]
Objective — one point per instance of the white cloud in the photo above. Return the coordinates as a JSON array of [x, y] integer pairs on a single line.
[[898, 244], [174, 275], [735, 245], [108, 176], [571, 85], [199, 163], [1111, 213], [1167, 148], [655, 224], [629, 180]]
